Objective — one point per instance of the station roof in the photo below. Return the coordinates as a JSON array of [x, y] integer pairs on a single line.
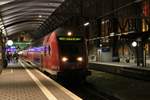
[[25, 15]]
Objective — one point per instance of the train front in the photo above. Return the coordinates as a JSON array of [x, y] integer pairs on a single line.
[[73, 56]]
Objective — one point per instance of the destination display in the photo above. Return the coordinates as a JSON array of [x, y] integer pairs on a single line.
[[69, 38]]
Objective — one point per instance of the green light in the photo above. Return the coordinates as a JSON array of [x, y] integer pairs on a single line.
[[18, 43]]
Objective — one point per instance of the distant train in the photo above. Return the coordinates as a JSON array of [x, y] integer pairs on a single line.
[[61, 53]]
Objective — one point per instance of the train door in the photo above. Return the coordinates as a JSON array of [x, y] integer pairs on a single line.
[[45, 57]]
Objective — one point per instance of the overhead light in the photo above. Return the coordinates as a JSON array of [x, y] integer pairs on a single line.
[[5, 2], [9, 43], [79, 59], [118, 34], [40, 16], [126, 33], [69, 33], [103, 22], [100, 45], [112, 34], [86, 24], [134, 43]]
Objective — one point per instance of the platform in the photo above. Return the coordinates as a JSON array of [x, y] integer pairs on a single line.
[[22, 82], [126, 69]]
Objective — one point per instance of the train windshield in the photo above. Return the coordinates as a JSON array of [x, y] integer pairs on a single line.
[[71, 47]]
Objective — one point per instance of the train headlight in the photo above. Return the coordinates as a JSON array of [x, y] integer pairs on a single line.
[[64, 59], [80, 59]]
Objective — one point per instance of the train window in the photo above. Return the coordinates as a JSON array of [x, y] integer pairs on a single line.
[[45, 50], [49, 49]]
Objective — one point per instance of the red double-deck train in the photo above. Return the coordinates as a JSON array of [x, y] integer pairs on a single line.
[[61, 53]]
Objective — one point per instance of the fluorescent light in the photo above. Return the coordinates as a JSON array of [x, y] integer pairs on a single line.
[[112, 34], [2, 2]]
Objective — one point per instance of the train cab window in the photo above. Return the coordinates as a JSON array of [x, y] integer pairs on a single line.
[[71, 49], [47, 50]]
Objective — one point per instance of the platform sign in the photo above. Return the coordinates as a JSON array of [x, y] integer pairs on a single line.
[[21, 45], [105, 49]]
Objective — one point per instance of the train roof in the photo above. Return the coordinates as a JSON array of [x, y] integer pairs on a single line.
[[64, 30]]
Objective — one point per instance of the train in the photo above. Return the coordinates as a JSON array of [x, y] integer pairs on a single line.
[[62, 53]]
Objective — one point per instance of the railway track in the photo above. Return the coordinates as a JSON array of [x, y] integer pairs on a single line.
[[85, 90], [88, 92]]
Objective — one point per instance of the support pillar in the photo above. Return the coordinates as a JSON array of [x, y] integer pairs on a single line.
[[115, 54], [140, 52], [1, 52]]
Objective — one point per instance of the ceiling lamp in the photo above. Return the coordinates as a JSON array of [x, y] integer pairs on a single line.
[[9, 43]]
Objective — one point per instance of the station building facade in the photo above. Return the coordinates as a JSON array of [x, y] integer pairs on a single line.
[[110, 36]]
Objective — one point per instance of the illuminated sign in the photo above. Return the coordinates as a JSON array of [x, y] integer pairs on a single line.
[[36, 49], [22, 43], [69, 38], [11, 49]]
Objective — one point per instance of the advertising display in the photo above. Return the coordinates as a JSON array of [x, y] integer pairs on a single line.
[[146, 8]]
